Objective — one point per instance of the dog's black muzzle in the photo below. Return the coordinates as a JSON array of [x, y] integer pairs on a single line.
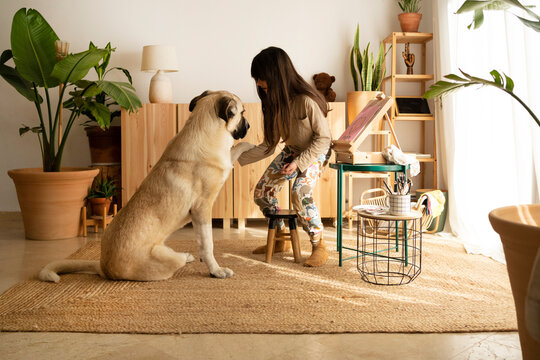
[[241, 131]]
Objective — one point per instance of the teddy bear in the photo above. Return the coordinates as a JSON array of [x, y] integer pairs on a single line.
[[323, 83]]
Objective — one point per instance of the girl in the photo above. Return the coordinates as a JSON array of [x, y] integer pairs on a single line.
[[295, 113]]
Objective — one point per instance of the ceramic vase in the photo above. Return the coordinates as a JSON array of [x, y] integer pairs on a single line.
[[519, 229], [105, 145], [99, 204], [409, 22], [356, 101], [51, 202]]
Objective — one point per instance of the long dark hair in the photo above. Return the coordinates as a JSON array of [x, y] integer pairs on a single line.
[[274, 66]]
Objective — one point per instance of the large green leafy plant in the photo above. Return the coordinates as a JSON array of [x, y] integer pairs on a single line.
[[38, 70], [95, 99], [500, 81], [367, 75]]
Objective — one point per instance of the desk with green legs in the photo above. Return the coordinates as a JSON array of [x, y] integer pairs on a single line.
[[341, 169]]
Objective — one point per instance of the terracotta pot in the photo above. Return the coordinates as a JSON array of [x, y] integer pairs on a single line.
[[51, 202], [98, 204], [409, 22], [105, 145], [519, 229], [356, 101]]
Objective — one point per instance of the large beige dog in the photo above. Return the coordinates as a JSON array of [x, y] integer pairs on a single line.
[[182, 187]]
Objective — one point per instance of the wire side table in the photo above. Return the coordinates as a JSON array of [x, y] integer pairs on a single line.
[[389, 248], [344, 168]]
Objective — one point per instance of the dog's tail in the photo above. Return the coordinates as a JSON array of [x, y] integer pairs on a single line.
[[50, 271]]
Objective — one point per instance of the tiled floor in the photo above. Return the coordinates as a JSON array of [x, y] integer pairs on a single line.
[[20, 259]]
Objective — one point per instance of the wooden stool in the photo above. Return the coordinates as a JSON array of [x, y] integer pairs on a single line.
[[291, 236], [96, 220]]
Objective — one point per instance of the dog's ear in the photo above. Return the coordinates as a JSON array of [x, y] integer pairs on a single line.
[[197, 98], [225, 108]]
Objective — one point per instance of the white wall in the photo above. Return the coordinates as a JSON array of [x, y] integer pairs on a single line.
[[215, 41]]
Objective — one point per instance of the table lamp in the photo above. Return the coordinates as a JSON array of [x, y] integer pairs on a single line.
[[162, 59]]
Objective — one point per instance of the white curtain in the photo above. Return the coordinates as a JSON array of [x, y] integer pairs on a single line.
[[489, 145]]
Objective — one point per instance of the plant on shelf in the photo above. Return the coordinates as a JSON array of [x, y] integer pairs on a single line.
[[410, 17], [409, 6], [366, 74], [102, 194]]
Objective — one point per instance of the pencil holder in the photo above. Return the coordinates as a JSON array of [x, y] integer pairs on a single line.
[[399, 204]]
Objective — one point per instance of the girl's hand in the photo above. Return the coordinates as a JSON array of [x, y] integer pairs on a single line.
[[289, 168]]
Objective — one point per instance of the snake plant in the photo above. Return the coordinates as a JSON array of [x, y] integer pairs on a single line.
[[366, 74], [503, 82], [409, 6]]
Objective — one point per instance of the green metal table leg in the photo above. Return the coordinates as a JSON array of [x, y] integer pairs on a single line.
[[397, 222], [397, 236], [339, 213], [405, 245]]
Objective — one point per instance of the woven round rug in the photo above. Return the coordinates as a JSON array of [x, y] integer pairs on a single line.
[[455, 292]]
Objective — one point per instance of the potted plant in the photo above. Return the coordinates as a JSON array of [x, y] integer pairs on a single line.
[[100, 196], [518, 225], [367, 76], [409, 19], [50, 197], [104, 139]]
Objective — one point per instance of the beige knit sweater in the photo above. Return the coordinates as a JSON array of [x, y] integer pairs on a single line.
[[309, 137]]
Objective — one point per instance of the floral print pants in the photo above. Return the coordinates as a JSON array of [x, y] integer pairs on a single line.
[[273, 180]]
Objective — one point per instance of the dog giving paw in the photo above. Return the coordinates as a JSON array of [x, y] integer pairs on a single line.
[[239, 149], [243, 147]]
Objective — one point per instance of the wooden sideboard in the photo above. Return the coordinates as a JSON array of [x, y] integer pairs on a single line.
[[145, 135]]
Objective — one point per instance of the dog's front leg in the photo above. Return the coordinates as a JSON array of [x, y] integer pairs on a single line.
[[239, 149], [203, 231]]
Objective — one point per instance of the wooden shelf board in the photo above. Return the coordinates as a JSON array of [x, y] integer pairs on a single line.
[[414, 118], [426, 159], [367, 175], [422, 158], [410, 78], [409, 37]]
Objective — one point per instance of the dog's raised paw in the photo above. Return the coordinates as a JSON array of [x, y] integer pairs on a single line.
[[222, 273]]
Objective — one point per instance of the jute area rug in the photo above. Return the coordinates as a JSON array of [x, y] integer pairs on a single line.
[[455, 292]]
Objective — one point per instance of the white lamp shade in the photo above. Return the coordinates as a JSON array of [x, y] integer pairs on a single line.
[[159, 57]]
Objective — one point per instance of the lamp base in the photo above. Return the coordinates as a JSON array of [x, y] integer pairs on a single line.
[[160, 88]]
